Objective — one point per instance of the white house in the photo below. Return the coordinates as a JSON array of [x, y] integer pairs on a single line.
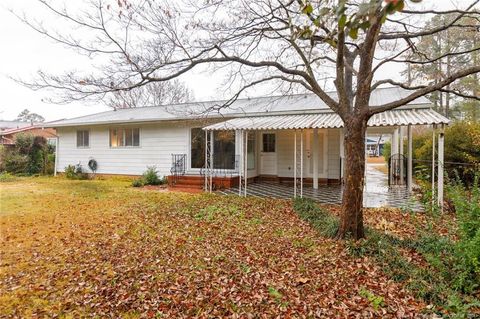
[[286, 137]]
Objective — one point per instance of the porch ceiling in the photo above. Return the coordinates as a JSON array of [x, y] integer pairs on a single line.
[[329, 120]]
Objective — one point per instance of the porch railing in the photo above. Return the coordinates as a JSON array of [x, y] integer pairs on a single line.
[[179, 164], [223, 166]]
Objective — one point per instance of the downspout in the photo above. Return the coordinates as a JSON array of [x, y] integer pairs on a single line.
[[57, 142]]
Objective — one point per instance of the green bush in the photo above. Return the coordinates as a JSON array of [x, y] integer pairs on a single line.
[[6, 177], [16, 163], [462, 145], [138, 182], [75, 172], [467, 248], [150, 177], [386, 151], [31, 155]]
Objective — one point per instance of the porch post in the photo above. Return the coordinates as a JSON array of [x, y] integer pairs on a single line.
[[400, 152], [295, 164], [56, 156], [240, 163], [410, 159], [441, 138], [207, 168], [315, 158], [433, 165], [245, 156], [211, 161], [301, 164], [394, 142]]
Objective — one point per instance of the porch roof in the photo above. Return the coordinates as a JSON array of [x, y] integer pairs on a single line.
[[329, 120]]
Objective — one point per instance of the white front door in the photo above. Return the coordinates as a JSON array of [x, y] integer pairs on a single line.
[[322, 149], [268, 154]]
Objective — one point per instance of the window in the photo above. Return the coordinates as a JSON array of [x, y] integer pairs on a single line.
[[83, 138], [124, 137], [251, 151], [197, 148], [269, 143], [223, 149]]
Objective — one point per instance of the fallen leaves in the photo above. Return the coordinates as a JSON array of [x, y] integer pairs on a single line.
[[100, 248]]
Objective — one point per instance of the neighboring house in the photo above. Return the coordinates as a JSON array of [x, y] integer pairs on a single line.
[[286, 137], [9, 125], [375, 144], [7, 137]]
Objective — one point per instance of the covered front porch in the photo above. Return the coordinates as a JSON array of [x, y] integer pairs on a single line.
[[304, 134]]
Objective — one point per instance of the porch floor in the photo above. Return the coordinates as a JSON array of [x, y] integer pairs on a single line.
[[376, 193]]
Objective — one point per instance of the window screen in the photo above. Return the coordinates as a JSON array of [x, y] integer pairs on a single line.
[[269, 143], [124, 137], [83, 139]]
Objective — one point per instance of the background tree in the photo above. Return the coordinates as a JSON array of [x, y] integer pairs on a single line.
[[437, 56], [152, 94], [316, 45], [27, 116]]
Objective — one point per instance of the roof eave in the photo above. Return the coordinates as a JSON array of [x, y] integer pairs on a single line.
[[214, 116]]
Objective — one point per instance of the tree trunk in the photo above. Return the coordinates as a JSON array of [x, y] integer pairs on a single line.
[[351, 219]]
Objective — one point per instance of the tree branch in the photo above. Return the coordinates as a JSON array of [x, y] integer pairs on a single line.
[[422, 90]]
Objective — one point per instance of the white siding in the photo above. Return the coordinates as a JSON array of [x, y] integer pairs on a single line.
[[285, 153], [157, 143], [334, 154]]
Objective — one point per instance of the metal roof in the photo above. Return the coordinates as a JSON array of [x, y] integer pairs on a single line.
[[329, 120], [7, 125], [278, 105]]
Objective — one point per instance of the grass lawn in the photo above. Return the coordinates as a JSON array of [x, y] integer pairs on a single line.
[[102, 248]]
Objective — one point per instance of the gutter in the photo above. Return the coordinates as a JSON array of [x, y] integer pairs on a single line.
[[207, 117]]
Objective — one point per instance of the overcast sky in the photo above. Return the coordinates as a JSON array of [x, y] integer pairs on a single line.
[[24, 51]]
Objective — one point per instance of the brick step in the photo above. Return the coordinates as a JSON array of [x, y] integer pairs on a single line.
[[190, 181], [190, 186]]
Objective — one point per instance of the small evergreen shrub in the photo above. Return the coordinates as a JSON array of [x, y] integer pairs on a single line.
[[150, 177], [75, 172]]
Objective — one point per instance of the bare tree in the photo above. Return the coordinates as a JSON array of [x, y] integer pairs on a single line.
[[442, 48], [152, 94], [309, 43]]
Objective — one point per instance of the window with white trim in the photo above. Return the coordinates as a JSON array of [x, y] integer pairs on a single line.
[[124, 137], [83, 138]]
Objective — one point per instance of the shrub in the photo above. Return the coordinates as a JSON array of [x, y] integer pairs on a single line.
[[30, 155], [75, 172], [467, 248], [462, 145], [7, 177], [137, 182], [150, 177], [386, 151], [16, 163]]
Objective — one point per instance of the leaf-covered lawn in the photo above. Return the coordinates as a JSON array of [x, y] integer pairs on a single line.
[[86, 248]]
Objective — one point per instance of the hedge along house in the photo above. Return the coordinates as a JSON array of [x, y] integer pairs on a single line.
[[294, 138]]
